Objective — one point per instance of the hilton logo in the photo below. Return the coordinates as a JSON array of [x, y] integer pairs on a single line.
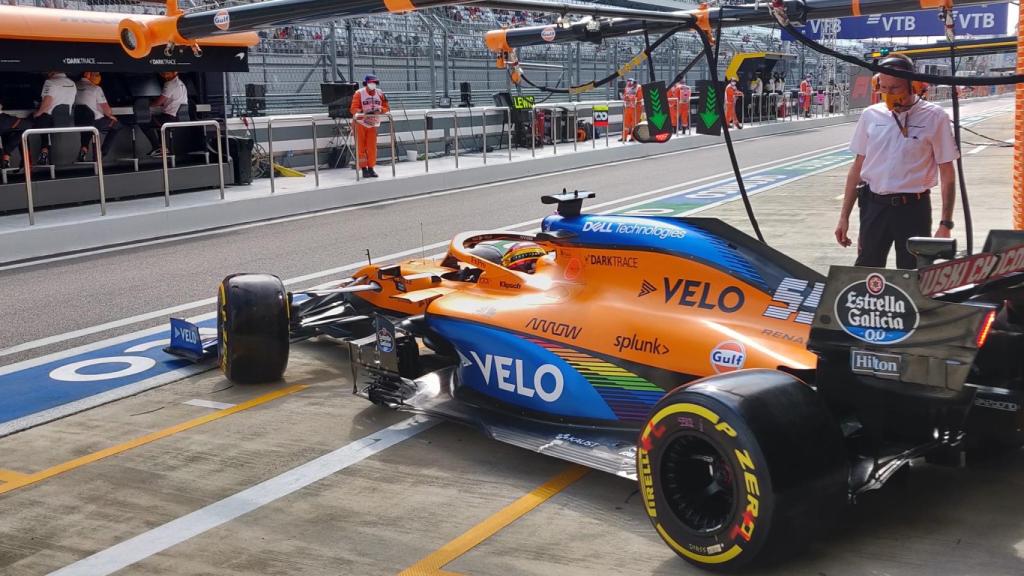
[[881, 365]]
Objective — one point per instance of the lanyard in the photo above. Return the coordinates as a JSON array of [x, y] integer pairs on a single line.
[[904, 128]]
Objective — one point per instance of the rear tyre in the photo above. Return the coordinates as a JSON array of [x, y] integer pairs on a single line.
[[741, 467], [252, 328]]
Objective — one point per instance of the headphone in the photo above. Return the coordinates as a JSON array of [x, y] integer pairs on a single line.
[[903, 62]]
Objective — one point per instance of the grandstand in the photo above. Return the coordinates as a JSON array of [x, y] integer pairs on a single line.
[[423, 56]]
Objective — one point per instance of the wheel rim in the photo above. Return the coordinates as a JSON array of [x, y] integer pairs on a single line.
[[698, 484]]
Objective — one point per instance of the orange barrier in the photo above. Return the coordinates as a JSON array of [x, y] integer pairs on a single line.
[[1018, 145]]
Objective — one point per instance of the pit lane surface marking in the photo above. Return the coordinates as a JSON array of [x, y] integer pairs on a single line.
[[28, 479], [157, 540], [432, 564], [87, 381]]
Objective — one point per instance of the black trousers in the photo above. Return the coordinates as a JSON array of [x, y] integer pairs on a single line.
[[108, 131], [11, 128], [152, 131], [891, 219]]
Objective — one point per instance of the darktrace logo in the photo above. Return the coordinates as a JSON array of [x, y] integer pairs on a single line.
[[876, 311], [646, 288], [614, 261], [639, 344], [554, 328]]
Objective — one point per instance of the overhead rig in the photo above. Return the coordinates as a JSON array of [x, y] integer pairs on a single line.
[[597, 23]]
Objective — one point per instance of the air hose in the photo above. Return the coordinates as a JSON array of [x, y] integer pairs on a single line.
[[712, 61], [645, 54]]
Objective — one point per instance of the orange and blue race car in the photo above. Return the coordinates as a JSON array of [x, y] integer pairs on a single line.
[[751, 397]]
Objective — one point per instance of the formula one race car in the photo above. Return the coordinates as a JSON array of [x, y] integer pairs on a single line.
[[749, 396]]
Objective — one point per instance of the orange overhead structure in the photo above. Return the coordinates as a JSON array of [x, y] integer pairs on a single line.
[[1018, 145]]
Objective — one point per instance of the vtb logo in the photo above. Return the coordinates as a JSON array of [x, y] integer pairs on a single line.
[[646, 288]]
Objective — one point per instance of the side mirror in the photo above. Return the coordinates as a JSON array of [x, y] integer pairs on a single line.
[[928, 250]]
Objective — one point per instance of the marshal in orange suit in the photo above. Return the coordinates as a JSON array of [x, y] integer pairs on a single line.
[[369, 100]]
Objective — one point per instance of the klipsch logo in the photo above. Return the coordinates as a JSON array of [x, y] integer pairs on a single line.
[[875, 311]]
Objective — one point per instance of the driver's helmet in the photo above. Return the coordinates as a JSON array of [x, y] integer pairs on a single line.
[[488, 251], [523, 256]]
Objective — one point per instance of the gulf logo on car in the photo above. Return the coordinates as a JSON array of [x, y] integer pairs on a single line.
[[222, 19], [548, 34], [728, 357]]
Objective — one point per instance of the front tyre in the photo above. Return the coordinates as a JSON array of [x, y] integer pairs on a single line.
[[741, 467], [252, 328]]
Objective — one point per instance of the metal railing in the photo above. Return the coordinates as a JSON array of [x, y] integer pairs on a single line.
[[447, 113], [26, 161], [355, 139], [164, 151], [313, 118], [508, 115], [593, 120]]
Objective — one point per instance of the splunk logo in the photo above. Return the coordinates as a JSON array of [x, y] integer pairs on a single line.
[[639, 344], [509, 374]]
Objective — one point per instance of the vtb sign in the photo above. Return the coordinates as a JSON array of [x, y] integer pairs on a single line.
[[989, 19]]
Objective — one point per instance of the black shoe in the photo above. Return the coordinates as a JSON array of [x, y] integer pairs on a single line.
[[371, 173], [366, 172], [43, 159], [83, 156], [5, 163]]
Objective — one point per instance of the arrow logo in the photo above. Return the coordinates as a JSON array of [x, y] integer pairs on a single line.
[[658, 116], [710, 113]]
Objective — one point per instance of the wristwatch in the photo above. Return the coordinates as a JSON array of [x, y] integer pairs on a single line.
[[947, 223]]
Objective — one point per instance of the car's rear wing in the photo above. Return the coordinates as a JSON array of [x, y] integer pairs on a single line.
[[1000, 264], [882, 324]]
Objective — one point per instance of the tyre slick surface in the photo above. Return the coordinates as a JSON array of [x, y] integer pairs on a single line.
[[252, 328], [741, 468]]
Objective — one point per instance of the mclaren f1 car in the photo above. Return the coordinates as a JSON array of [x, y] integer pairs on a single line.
[[751, 397]]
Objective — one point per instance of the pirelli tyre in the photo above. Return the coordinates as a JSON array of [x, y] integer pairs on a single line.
[[741, 468], [252, 328]]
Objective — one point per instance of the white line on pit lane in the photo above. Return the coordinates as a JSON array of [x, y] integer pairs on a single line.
[[166, 312], [209, 404], [175, 532]]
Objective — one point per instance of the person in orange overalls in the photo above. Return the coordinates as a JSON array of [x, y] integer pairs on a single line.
[[732, 92], [632, 108], [371, 101], [675, 96], [685, 93], [806, 95]]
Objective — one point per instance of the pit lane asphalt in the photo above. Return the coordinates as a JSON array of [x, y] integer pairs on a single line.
[[392, 510]]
